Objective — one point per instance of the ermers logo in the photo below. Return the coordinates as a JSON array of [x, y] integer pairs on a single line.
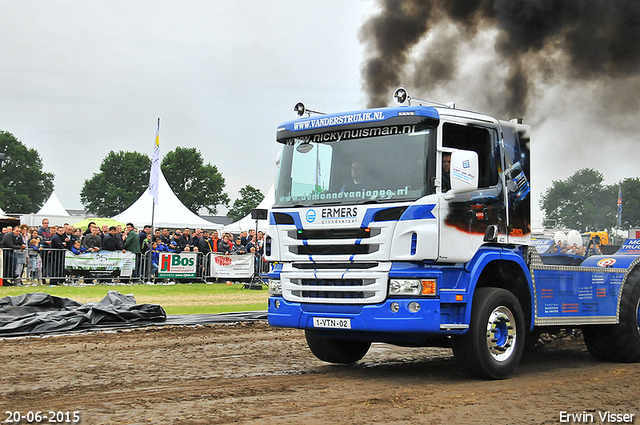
[[340, 212], [311, 216], [222, 260]]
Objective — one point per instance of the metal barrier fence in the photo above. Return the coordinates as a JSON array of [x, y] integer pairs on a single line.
[[52, 266]]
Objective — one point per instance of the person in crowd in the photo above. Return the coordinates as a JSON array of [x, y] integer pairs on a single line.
[[195, 239], [110, 241], [105, 230], [45, 232], [223, 246], [260, 243], [215, 240], [238, 248], [155, 258], [77, 233], [92, 241], [13, 241], [35, 261], [119, 234], [132, 244], [69, 237], [77, 248], [251, 236], [165, 237], [22, 256], [89, 227], [185, 238], [176, 240], [146, 238], [34, 234], [204, 243], [58, 239], [243, 238], [157, 236]]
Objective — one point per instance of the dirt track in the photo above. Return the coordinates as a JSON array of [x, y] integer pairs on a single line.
[[254, 374]]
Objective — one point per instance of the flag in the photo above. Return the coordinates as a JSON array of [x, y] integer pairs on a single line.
[[619, 205], [154, 176]]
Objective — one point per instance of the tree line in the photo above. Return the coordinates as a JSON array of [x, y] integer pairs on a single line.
[[121, 179], [583, 202]]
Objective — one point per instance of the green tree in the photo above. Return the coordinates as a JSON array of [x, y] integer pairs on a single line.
[[24, 187], [581, 202], [122, 178], [630, 202], [249, 198], [196, 184]]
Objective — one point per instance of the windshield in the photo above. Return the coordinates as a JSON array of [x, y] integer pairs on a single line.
[[375, 169]]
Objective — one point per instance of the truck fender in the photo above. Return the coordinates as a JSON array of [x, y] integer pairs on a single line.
[[483, 258]]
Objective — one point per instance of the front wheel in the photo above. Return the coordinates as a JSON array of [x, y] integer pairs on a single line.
[[492, 348], [334, 350]]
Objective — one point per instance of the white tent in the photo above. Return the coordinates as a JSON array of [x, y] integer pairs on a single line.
[[53, 206], [169, 212], [247, 222], [51, 210]]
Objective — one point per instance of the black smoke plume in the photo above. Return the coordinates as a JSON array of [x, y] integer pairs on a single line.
[[537, 40]]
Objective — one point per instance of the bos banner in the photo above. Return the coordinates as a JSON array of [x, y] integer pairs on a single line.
[[177, 265], [101, 263], [229, 266]]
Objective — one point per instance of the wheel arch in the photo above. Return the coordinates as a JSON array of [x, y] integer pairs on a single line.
[[506, 270]]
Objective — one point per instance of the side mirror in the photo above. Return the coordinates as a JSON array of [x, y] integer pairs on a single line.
[[463, 174]]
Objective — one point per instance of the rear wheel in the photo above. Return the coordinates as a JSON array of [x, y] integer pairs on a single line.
[[334, 350], [493, 346], [621, 342]]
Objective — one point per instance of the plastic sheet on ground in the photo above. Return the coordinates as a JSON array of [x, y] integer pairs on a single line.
[[41, 313]]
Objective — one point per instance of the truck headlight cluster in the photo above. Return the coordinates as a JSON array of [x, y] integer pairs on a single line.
[[275, 287], [412, 287]]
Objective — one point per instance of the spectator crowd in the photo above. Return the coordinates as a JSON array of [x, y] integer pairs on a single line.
[[25, 249]]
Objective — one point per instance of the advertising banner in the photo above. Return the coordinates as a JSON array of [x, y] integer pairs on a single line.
[[177, 265], [230, 266], [630, 247], [101, 263]]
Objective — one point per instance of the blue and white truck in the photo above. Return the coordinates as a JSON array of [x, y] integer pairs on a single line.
[[410, 225]]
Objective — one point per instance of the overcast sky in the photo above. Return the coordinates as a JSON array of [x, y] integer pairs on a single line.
[[81, 78]]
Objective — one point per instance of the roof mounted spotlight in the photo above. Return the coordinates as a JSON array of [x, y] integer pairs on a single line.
[[401, 96], [300, 110]]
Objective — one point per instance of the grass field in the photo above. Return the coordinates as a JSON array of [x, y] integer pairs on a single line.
[[197, 298]]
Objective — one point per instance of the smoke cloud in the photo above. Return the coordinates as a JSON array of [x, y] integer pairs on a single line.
[[427, 44]]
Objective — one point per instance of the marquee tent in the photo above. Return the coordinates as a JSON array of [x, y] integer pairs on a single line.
[[51, 210], [247, 223], [169, 213], [53, 206]]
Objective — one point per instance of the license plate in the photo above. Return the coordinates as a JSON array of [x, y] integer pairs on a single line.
[[325, 322]]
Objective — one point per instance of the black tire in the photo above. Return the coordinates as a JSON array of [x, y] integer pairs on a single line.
[[492, 348], [334, 350], [621, 342]]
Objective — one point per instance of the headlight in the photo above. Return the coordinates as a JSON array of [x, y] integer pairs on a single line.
[[412, 287], [275, 287]]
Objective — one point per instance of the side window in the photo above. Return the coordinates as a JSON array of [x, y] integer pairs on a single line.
[[478, 139]]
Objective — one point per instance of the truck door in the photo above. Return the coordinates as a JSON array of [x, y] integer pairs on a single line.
[[465, 218]]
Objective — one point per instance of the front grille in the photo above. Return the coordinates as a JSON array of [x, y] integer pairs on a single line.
[[333, 249], [339, 266], [356, 233], [333, 288]]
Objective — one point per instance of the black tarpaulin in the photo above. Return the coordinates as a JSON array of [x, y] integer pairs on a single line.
[[39, 313]]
